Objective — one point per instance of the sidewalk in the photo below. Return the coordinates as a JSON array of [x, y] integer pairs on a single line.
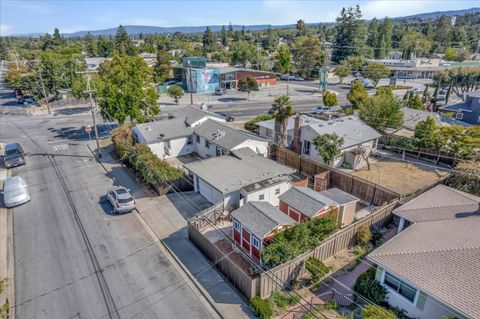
[[165, 217], [6, 251]]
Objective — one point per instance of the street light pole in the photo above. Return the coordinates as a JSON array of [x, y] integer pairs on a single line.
[[92, 107], [191, 83]]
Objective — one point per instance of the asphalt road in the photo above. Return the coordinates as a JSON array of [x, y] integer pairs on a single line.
[[55, 276]]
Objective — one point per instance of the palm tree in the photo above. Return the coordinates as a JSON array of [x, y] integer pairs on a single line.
[[282, 110]]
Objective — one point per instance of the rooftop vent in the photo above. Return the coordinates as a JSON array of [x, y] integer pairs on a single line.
[[218, 134]]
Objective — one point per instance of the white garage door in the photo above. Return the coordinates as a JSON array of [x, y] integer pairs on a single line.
[[210, 193]]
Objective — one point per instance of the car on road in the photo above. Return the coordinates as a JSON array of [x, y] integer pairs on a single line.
[[229, 117], [415, 90], [319, 110], [15, 191], [298, 78], [13, 155], [121, 199], [287, 77], [220, 91]]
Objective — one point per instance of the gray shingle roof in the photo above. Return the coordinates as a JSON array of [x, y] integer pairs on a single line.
[[339, 196], [306, 200], [441, 258], [412, 116], [178, 124], [230, 173], [439, 203], [353, 130], [222, 134], [260, 218]]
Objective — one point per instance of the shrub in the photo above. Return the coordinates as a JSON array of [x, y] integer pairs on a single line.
[[370, 288], [363, 235], [403, 142], [252, 124], [316, 268], [331, 305], [329, 99], [298, 239], [262, 308], [376, 312], [175, 92], [148, 167], [283, 299]]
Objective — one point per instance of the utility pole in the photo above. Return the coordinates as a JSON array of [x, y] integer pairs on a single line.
[[44, 92], [191, 83], [258, 56], [92, 107]]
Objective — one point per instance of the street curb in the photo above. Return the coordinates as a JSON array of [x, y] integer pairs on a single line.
[[179, 264], [9, 272]]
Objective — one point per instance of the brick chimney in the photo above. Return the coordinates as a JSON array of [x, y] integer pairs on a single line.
[[296, 144]]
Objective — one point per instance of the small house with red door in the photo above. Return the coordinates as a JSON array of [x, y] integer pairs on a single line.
[[303, 203], [255, 224]]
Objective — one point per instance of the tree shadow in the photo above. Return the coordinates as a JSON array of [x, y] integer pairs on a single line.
[[79, 133], [231, 99], [72, 110]]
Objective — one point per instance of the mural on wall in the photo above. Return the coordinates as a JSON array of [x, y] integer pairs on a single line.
[[203, 80]]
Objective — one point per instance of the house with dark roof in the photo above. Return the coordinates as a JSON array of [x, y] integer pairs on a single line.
[[301, 130], [189, 129], [240, 177], [468, 111], [255, 224], [431, 268], [303, 204]]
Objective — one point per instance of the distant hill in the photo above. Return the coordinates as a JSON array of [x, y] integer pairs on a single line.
[[436, 14], [137, 29]]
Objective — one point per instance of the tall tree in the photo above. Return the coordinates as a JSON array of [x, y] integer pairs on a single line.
[[383, 44], [282, 109], [464, 80], [123, 43], [208, 40], [426, 133], [307, 54], [414, 44], [57, 39], [91, 45], [382, 112], [247, 84], [125, 90], [300, 27], [162, 67], [328, 146], [105, 47], [283, 60], [351, 34], [357, 94], [224, 36], [243, 53]]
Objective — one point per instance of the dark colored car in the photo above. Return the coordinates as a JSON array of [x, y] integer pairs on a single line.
[[229, 117], [14, 155]]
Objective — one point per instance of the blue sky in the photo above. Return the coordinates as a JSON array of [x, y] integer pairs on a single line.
[[19, 16]]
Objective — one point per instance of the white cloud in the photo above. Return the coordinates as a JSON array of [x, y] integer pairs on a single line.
[[5, 29]]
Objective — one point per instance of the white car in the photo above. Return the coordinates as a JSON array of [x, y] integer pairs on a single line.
[[15, 191], [121, 199]]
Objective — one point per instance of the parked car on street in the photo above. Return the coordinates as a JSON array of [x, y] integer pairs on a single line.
[[298, 78], [319, 110], [219, 91], [228, 116], [15, 191], [13, 155], [287, 77], [121, 199]]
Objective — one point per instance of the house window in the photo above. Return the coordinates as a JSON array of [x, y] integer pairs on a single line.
[[306, 147], [197, 137], [218, 151], [261, 197], [236, 225], [277, 191], [190, 140], [207, 144], [459, 115], [400, 287], [255, 242]]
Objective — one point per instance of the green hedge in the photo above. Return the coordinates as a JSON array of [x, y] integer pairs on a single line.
[[252, 124], [298, 239], [261, 307], [316, 268], [148, 167]]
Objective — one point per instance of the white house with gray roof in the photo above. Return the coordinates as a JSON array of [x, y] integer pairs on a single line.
[[355, 132], [431, 268], [189, 129], [239, 177]]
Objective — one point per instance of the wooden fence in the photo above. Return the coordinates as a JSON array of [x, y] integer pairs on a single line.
[[334, 244], [265, 283], [359, 187]]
